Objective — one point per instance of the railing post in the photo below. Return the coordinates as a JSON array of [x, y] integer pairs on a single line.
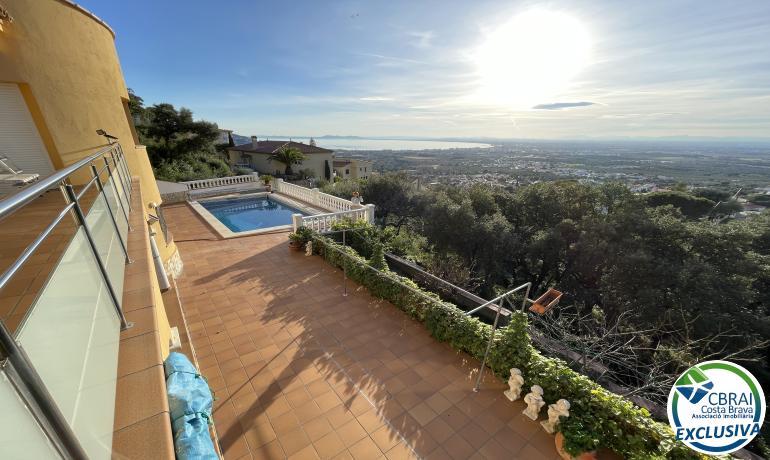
[[32, 390], [369, 212], [81, 218], [489, 346], [128, 198], [109, 208], [278, 185], [126, 186], [126, 171], [344, 268], [296, 221], [316, 197]]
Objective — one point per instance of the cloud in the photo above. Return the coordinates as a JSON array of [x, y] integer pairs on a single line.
[[375, 99], [563, 105], [422, 40]]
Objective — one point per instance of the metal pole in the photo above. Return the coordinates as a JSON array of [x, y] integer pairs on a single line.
[[109, 210], [122, 183], [120, 202], [489, 347], [32, 390], [81, 218], [125, 165], [344, 270], [526, 298], [117, 159]]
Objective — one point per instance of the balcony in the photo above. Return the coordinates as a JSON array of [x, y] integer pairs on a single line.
[[302, 371], [80, 339]]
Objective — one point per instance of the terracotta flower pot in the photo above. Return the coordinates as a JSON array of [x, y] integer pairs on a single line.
[[296, 245], [559, 441]]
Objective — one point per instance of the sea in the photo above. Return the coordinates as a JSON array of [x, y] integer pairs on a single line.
[[390, 144]]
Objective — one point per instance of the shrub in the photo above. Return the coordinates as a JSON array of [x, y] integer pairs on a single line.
[[301, 236], [599, 418], [242, 171], [194, 166]]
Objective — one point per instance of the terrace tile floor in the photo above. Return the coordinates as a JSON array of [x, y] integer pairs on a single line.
[[301, 371]]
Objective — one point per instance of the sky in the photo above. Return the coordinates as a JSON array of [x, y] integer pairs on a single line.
[[466, 69]]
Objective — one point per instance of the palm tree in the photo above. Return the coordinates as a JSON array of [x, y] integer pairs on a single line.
[[288, 156]]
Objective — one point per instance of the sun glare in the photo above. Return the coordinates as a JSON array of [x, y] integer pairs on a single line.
[[531, 59]]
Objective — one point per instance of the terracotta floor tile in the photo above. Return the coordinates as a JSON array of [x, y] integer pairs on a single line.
[[365, 448], [269, 451], [317, 428], [294, 363], [439, 429], [293, 441], [458, 448], [259, 435], [285, 422], [329, 445], [308, 453], [351, 432], [385, 438], [512, 441], [400, 452], [422, 413]]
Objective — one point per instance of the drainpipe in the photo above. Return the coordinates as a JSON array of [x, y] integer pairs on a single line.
[[160, 270]]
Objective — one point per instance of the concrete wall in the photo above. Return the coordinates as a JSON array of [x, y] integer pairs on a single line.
[[64, 60]]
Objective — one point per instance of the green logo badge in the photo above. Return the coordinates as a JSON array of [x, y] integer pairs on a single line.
[[716, 407]]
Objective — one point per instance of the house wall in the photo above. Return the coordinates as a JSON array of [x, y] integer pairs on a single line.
[[355, 170], [261, 163], [65, 63]]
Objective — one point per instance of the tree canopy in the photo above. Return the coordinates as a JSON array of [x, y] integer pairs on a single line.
[[692, 288], [288, 156], [179, 147]]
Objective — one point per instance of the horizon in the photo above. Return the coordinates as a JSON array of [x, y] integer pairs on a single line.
[[589, 70]]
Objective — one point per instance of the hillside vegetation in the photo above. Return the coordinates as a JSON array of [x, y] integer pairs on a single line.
[[652, 284]]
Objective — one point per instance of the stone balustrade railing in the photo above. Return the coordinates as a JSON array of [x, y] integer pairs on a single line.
[[220, 181], [315, 197], [323, 222]]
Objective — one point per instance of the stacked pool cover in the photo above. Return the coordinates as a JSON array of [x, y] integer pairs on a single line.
[[190, 402]]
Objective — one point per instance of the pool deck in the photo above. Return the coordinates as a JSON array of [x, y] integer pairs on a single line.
[[301, 371], [224, 232]]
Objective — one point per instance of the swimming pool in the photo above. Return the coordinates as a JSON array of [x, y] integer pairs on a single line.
[[253, 213]]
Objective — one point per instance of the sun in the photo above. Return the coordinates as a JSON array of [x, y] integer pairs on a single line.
[[531, 59]]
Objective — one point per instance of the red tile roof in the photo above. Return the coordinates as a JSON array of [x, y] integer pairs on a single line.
[[274, 146]]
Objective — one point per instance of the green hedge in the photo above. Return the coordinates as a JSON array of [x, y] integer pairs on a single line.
[[599, 418]]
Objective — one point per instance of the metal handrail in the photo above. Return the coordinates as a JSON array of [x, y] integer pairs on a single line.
[[18, 200], [499, 298], [22, 373], [502, 296]]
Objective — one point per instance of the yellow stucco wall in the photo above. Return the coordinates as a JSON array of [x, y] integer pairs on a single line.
[[66, 65], [263, 164], [355, 169]]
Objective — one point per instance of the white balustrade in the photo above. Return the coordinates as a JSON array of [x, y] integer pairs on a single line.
[[324, 222], [315, 197], [220, 181]]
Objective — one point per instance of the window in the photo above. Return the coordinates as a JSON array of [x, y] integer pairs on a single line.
[[347, 171]]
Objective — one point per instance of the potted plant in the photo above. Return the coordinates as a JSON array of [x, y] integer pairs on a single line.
[[298, 239], [266, 179], [575, 440]]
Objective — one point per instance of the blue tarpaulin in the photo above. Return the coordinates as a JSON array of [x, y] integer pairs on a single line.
[[190, 401]]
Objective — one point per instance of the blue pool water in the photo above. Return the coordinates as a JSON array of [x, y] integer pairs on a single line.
[[243, 214]]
